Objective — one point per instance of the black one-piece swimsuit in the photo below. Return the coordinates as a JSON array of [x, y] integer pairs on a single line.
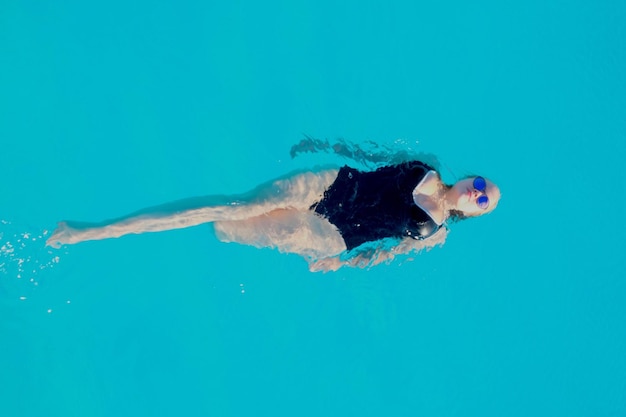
[[369, 206]]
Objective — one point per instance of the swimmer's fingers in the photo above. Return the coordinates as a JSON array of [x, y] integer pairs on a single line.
[[325, 265]]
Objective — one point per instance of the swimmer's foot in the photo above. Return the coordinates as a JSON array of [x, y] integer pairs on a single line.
[[63, 235]]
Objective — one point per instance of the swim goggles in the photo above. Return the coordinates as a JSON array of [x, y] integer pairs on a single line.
[[481, 185]]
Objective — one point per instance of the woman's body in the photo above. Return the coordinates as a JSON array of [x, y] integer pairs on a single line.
[[318, 215]]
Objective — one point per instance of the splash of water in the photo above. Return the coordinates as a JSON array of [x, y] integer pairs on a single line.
[[369, 154], [23, 257]]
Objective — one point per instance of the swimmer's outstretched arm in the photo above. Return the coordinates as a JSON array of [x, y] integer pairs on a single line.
[[298, 192], [365, 259], [369, 257]]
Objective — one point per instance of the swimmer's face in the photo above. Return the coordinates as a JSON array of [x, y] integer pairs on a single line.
[[474, 197]]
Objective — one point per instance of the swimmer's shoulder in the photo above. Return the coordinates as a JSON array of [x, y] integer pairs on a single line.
[[425, 196], [429, 184]]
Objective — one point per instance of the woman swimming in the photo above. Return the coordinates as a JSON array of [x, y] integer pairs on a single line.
[[331, 217]]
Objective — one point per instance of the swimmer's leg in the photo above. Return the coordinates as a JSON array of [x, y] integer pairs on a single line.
[[288, 230], [298, 192], [62, 235]]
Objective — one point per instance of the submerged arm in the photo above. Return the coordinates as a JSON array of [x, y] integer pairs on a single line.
[[370, 256]]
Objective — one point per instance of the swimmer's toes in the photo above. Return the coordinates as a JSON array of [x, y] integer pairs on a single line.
[[59, 236], [53, 243]]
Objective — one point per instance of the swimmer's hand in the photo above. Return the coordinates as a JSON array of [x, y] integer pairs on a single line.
[[366, 259], [325, 265]]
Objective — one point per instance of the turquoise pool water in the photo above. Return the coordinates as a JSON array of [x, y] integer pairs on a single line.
[[111, 107]]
